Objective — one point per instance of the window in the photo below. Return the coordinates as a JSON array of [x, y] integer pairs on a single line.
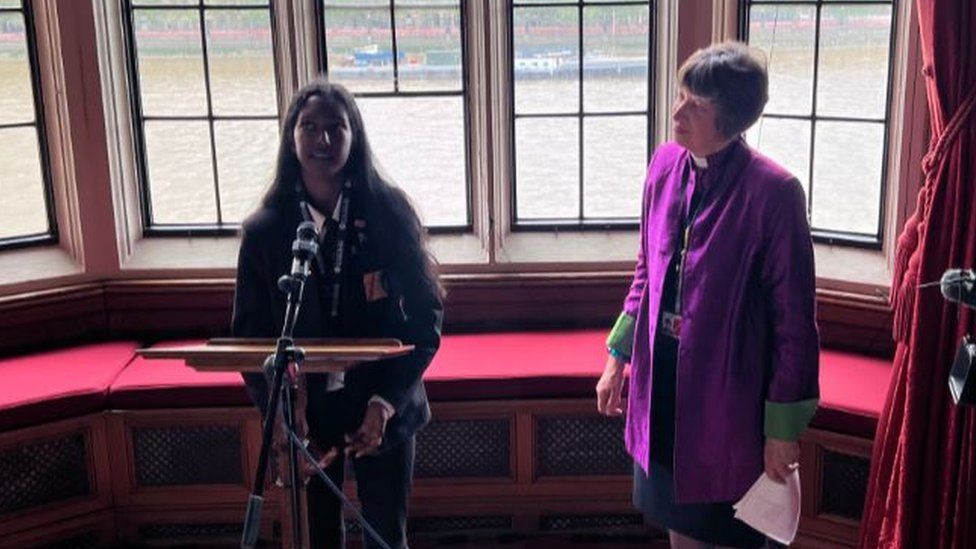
[[26, 211], [553, 136], [404, 61], [828, 114], [203, 83], [581, 104]]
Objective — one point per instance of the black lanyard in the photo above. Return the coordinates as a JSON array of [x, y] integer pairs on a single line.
[[687, 219], [339, 247]]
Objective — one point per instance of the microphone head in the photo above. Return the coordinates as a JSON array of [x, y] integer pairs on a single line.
[[306, 231], [306, 243], [957, 284]]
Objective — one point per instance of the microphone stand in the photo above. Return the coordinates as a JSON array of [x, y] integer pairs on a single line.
[[286, 353]]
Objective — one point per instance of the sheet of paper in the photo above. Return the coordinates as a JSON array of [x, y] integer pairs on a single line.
[[772, 508]]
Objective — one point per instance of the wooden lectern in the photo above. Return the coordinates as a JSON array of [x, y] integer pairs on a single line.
[[248, 355]]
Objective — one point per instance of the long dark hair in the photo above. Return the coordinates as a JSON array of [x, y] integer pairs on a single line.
[[398, 235]]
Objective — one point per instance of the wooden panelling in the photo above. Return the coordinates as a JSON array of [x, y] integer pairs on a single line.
[[524, 486], [83, 532], [533, 301], [47, 479], [819, 526], [52, 317], [151, 310], [182, 476], [167, 309], [855, 323], [190, 525], [160, 457]]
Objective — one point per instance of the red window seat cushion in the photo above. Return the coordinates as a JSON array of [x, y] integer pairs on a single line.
[[567, 364], [482, 366], [59, 384], [164, 383], [514, 365], [852, 392]]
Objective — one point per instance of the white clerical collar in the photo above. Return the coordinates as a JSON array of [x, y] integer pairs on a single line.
[[701, 162], [319, 218]]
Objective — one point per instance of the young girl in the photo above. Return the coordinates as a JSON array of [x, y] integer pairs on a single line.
[[372, 277]]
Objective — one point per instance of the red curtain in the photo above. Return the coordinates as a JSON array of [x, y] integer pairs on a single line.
[[922, 486]]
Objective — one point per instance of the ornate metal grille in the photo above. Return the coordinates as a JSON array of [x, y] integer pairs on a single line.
[[844, 485], [43, 472], [439, 525], [205, 454], [562, 523], [190, 531], [464, 448], [580, 446]]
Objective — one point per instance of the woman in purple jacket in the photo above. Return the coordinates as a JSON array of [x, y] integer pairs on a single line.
[[719, 324]]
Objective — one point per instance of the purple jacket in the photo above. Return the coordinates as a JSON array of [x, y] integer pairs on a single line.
[[748, 357]]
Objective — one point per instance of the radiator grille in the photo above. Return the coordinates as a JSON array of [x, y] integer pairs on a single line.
[[580, 446], [464, 448], [43, 472], [171, 456]]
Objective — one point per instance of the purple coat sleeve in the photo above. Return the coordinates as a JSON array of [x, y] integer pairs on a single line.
[[620, 341], [789, 284]]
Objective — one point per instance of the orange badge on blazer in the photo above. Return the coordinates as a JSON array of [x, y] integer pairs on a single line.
[[373, 286]]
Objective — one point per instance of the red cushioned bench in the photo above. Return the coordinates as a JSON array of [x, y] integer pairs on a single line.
[[853, 389], [516, 365], [59, 384], [467, 367], [149, 384], [527, 385], [568, 364]]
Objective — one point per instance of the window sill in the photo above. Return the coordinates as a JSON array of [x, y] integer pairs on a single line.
[[595, 248], [199, 256], [217, 256], [852, 270], [29, 269]]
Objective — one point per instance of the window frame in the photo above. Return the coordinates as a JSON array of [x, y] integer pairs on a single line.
[[92, 117], [322, 58], [581, 223], [825, 236], [52, 235], [138, 119]]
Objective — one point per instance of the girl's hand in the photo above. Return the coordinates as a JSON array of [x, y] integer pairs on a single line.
[[367, 439]]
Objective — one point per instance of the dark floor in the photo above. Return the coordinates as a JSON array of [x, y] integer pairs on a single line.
[[538, 541], [502, 541], [468, 542]]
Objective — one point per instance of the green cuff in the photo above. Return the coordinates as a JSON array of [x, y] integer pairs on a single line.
[[621, 338], [788, 420]]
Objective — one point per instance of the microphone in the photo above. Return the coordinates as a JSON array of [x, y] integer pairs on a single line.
[[304, 248], [957, 286]]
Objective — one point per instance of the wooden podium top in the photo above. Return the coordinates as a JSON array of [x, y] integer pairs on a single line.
[[248, 355]]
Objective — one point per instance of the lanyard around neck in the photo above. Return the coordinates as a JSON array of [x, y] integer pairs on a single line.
[[340, 245], [688, 214]]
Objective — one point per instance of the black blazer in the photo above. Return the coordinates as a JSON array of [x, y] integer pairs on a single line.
[[409, 312]]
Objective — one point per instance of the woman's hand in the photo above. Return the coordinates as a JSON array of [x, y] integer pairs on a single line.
[[367, 439], [610, 387], [781, 457]]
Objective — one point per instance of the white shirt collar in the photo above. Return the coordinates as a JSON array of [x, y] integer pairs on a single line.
[[319, 218]]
